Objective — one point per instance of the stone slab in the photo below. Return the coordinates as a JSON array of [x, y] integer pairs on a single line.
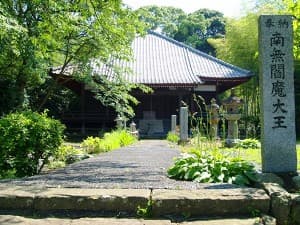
[[280, 202], [277, 94], [295, 209], [210, 202], [16, 198], [269, 178], [252, 221], [151, 126], [12, 220], [111, 200], [296, 182]]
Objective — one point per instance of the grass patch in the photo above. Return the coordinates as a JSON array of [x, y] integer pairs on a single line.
[[172, 137]]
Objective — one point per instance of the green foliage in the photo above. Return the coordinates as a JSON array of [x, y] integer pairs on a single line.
[[248, 143], [41, 34], [92, 145], [145, 212], [200, 119], [66, 154], [110, 141], [165, 18], [173, 137], [27, 140], [205, 167], [65, 150], [193, 29]]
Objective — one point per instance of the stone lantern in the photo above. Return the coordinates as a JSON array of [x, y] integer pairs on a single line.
[[214, 118], [232, 107], [133, 129], [119, 121]]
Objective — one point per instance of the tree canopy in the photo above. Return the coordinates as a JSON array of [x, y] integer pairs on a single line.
[[37, 35], [193, 29]]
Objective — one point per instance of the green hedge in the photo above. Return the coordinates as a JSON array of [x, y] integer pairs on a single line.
[[27, 140]]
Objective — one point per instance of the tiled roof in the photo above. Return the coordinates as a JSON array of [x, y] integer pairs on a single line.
[[162, 61]]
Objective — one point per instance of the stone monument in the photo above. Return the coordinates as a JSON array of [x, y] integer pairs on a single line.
[[183, 124], [173, 123], [278, 134], [214, 118], [232, 107]]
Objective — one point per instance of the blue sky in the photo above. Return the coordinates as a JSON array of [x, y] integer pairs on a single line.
[[230, 8]]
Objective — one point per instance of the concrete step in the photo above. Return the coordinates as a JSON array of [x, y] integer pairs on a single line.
[[204, 202], [13, 220]]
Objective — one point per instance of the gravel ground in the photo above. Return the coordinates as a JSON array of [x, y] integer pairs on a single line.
[[142, 165]]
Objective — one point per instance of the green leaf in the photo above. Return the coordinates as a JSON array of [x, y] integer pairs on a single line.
[[241, 180]]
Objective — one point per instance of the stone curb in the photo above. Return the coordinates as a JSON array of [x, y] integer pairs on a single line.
[[225, 202], [108, 200], [13, 220], [207, 202], [285, 207]]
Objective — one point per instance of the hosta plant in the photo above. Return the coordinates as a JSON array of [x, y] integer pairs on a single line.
[[205, 167]]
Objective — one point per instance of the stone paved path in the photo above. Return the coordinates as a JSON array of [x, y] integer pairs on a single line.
[[142, 165]]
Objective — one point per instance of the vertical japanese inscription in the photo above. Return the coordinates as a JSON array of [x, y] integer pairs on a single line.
[[277, 94]]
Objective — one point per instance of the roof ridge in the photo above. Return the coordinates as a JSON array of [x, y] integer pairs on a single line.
[[199, 52]]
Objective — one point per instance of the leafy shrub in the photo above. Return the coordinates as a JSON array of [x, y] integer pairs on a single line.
[[66, 154], [56, 164], [248, 143], [126, 138], [64, 151], [207, 168], [173, 137], [27, 140], [92, 145], [110, 141]]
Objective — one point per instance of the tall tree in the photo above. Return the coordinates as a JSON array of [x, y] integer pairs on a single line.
[[166, 19], [66, 33], [199, 26], [240, 47], [192, 29]]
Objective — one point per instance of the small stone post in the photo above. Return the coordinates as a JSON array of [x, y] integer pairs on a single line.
[[133, 129], [173, 123], [278, 135], [232, 105], [119, 122], [214, 118], [183, 124]]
